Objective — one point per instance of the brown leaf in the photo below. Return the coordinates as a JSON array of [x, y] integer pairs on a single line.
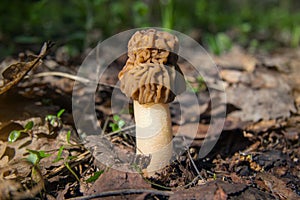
[[259, 104], [220, 194], [14, 73], [114, 179], [119, 158], [236, 59], [262, 126], [3, 157], [10, 185], [231, 76], [276, 186], [212, 190]]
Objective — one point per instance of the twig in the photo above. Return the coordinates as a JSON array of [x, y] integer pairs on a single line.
[[104, 126], [123, 192], [80, 157], [193, 181], [194, 165], [70, 76]]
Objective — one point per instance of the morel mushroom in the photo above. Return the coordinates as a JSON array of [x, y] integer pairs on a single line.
[[152, 78]]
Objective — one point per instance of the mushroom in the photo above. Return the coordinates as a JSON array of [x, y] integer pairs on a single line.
[[152, 78]]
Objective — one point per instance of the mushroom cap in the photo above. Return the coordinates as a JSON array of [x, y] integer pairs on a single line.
[[151, 74]]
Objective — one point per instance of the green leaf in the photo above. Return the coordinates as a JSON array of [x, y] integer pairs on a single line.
[[70, 169], [42, 154], [60, 112], [72, 157], [33, 158], [68, 136], [215, 176], [53, 120], [116, 118], [95, 176], [29, 125], [114, 127], [121, 123], [59, 153], [14, 135], [50, 117]]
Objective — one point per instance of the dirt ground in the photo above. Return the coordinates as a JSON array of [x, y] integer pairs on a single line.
[[256, 156]]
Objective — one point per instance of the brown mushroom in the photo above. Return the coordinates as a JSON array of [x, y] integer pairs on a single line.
[[152, 79]]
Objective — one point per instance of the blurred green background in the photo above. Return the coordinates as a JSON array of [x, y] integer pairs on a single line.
[[78, 24]]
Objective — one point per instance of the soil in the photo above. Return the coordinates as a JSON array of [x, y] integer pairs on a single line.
[[256, 155]]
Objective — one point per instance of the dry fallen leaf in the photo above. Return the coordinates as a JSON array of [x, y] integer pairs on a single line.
[[276, 186], [217, 190], [114, 179], [237, 59], [14, 73], [257, 104], [220, 194], [10, 185]]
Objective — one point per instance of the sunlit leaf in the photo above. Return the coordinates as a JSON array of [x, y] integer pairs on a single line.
[[70, 169], [121, 123], [95, 176], [116, 118], [114, 127], [59, 153], [42, 154], [29, 125], [14, 135], [68, 136], [60, 112], [72, 157], [33, 158], [50, 117]]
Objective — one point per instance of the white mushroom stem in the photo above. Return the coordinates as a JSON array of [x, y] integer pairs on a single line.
[[153, 134]]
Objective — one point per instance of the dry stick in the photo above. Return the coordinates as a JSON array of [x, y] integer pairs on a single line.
[[104, 126], [70, 76], [123, 192], [184, 186], [193, 163], [195, 167], [79, 158]]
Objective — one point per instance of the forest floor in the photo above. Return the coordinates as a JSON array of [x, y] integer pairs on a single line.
[[256, 156]]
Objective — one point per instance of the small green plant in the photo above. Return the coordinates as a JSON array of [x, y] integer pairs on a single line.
[[15, 134], [70, 169], [59, 154], [95, 176], [200, 85], [117, 123], [219, 43], [69, 137], [54, 121], [35, 156], [215, 176], [66, 160]]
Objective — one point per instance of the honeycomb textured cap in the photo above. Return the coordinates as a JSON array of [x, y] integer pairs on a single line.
[[151, 73]]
